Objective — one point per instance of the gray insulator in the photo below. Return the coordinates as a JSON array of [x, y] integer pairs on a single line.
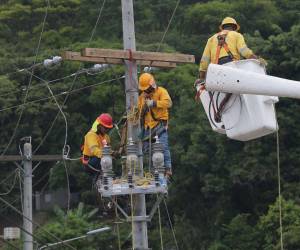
[[156, 178], [56, 59], [51, 62], [98, 68], [105, 182], [132, 148], [150, 69], [106, 150], [130, 180]]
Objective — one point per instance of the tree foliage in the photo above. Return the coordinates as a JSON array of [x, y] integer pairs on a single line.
[[221, 189]]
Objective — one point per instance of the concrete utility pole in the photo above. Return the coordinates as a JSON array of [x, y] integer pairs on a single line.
[[27, 158], [139, 231], [27, 219]]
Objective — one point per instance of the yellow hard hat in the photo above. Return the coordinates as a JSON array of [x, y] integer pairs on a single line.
[[229, 20], [146, 80]]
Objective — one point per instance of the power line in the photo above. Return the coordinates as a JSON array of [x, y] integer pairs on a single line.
[[30, 80], [74, 80], [11, 188], [170, 21], [36, 224], [61, 94], [8, 243]]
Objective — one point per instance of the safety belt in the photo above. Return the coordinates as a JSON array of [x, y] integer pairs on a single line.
[[222, 44]]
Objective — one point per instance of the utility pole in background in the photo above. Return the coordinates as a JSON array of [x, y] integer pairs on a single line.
[[27, 158], [139, 230], [27, 218]]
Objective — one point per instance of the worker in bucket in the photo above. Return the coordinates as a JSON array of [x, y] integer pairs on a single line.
[[153, 103], [225, 46], [94, 141]]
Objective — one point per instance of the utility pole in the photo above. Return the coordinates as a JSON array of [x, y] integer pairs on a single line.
[[134, 155], [27, 218], [27, 158], [139, 230]]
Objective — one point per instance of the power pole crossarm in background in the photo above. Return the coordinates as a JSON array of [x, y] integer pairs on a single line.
[[28, 240]]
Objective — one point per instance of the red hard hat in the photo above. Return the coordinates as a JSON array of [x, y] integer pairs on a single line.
[[105, 120]]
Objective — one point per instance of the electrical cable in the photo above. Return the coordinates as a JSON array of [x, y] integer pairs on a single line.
[[59, 107], [171, 225], [68, 185], [11, 188], [8, 243], [61, 94], [37, 239], [30, 80], [36, 224], [13, 172], [41, 85], [74, 80], [170, 21]]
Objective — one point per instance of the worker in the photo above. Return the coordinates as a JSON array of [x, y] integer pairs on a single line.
[[153, 104], [223, 47], [94, 141]]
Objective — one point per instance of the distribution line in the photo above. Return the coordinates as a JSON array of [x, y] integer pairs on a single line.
[[74, 80], [61, 94], [22, 89], [8, 243], [170, 21], [36, 224], [170, 222], [11, 188], [37, 239], [59, 107], [30, 80]]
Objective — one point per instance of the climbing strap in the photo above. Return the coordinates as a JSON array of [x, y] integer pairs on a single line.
[[222, 44]]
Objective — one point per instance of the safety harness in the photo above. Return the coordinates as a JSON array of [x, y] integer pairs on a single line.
[[157, 130], [221, 36]]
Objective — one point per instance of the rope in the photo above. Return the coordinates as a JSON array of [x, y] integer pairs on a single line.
[[171, 225], [118, 229], [160, 228], [279, 187], [68, 185]]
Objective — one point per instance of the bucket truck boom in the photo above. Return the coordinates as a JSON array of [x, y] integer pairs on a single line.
[[249, 111]]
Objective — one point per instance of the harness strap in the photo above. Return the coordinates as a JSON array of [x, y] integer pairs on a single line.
[[222, 44]]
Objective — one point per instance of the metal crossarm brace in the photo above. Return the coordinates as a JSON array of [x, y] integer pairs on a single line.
[[154, 208]]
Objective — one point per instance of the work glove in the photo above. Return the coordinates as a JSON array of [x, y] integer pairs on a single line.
[[198, 83], [262, 62], [150, 103]]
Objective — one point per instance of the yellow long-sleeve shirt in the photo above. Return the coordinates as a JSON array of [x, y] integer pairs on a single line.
[[160, 111], [93, 144], [236, 44]]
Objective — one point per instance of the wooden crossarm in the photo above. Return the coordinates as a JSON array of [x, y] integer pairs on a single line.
[[139, 55], [76, 56]]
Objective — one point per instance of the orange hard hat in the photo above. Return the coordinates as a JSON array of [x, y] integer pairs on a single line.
[[105, 120], [145, 81], [229, 20]]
